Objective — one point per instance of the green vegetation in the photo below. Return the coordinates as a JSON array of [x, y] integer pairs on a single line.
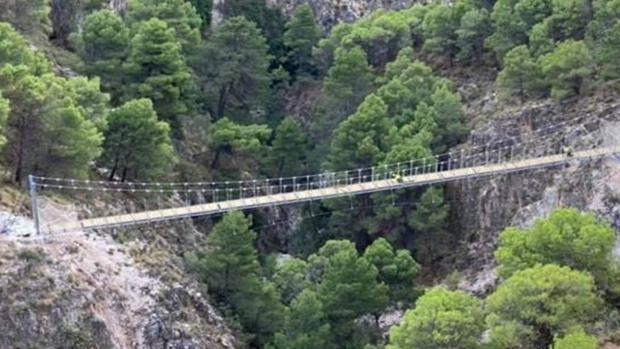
[[236, 77], [441, 319], [163, 94], [136, 144], [552, 300]]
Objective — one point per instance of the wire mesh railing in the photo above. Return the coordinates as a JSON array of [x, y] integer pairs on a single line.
[[150, 196]]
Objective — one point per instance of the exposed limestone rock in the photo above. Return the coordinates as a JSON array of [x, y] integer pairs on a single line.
[[484, 207], [327, 12], [81, 290], [331, 12]]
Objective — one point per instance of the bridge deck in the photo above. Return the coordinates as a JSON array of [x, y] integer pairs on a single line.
[[329, 192]]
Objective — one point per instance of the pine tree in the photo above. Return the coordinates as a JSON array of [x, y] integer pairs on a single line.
[[306, 325], [137, 145], [289, 149], [203, 9], [259, 309], [520, 76], [360, 140], [576, 340], [27, 16], [236, 75], [95, 104], [179, 15], [237, 148], [66, 142], [429, 221], [103, 45], [397, 269], [441, 319], [290, 279], [348, 287], [300, 37], [451, 128], [15, 50], [348, 82], [567, 68], [440, 30], [156, 70], [474, 28], [567, 237], [230, 261], [543, 302]]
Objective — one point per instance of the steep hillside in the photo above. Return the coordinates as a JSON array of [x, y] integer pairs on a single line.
[[83, 290]]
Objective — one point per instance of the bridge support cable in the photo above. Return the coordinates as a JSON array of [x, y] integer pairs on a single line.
[[511, 155]]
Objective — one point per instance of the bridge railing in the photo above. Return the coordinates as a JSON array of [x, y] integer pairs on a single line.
[[154, 195]]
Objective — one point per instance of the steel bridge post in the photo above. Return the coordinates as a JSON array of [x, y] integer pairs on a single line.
[[32, 187]]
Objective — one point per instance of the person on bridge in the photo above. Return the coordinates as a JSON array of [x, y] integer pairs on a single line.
[[398, 178]]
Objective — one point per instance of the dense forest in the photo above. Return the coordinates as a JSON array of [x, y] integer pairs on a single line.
[[154, 91]]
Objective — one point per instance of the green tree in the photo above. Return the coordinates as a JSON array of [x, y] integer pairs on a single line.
[[429, 221], [46, 130], [360, 140], [576, 340], [451, 128], [521, 75], [397, 269], [236, 75], [15, 50], [269, 20], [603, 37], [474, 28], [348, 82], [543, 302], [290, 279], [179, 15], [237, 148], [103, 45], [230, 262], [157, 70], [27, 16], [610, 51], [567, 68], [203, 9], [512, 20], [259, 309], [289, 149], [442, 319], [306, 325], [540, 40], [95, 104], [440, 28], [567, 237], [348, 286], [569, 19], [301, 36], [137, 145]]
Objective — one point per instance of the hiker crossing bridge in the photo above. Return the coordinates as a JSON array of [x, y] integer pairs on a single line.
[[217, 197]]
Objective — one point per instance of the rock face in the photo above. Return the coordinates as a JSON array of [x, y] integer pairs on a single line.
[[331, 12], [88, 291], [482, 208], [328, 13]]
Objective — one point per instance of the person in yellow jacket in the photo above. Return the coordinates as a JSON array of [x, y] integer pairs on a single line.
[[398, 178]]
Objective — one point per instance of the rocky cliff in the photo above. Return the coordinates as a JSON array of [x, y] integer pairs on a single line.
[[482, 208], [331, 12], [89, 291], [327, 12]]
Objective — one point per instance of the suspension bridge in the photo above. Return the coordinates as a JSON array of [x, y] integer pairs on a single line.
[[218, 197]]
